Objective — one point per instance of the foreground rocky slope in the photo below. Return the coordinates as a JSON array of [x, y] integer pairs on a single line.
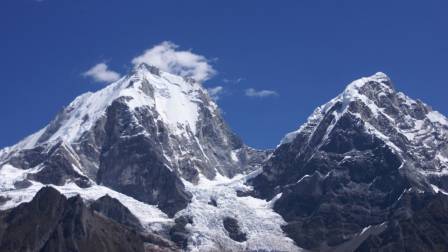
[[343, 176], [51, 222]]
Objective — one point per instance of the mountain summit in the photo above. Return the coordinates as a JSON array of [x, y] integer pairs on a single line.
[[341, 175]]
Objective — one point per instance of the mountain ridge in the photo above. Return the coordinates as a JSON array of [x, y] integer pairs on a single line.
[[157, 143]]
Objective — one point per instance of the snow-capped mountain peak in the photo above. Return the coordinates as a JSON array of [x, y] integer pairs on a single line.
[[357, 91], [175, 99], [365, 90], [362, 153], [146, 117], [379, 98], [407, 126], [141, 140]]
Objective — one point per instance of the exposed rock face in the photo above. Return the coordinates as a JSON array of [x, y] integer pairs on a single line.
[[132, 165], [54, 164], [346, 168], [64, 225], [417, 222], [60, 166]]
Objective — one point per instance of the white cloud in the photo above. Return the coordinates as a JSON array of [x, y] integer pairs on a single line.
[[101, 73], [260, 93], [185, 63], [215, 92]]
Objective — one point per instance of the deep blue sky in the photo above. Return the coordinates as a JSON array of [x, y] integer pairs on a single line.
[[305, 50]]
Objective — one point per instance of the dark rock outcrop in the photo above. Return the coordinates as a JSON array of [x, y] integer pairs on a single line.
[[3, 199], [232, 227], [178, 233], [113, 209], [21, 184], [213, 202]]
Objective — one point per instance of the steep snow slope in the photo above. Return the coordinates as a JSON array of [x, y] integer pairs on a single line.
[[174, 98]]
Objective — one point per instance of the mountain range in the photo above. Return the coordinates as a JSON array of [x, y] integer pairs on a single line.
[[149, 164]]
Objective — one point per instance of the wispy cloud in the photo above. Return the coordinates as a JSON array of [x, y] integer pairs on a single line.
[[101, 73], [233, 81], [215, 92], [168, 57], [251, 92]]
